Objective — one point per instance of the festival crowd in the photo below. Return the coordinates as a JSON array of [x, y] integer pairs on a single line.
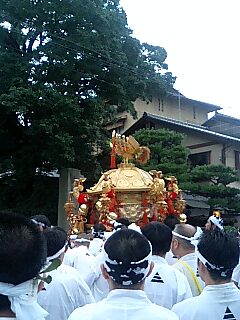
[[166, 271]]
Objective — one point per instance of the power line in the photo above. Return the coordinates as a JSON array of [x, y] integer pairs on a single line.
[[112, 63]]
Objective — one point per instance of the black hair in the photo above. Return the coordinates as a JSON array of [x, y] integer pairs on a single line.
[[41, 218], [98, 230], [124, 221], [159, 235], [171, 220], [221, 249], [126, 246], [22, 251], [186, 231], [56, 238]]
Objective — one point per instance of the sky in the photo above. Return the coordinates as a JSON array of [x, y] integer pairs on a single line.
[[201, 38]]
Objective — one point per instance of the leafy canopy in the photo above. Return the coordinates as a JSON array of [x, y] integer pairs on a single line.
[[213, 181], [67, 67]]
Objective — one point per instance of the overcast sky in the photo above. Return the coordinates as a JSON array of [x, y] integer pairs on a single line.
[[201, 38]]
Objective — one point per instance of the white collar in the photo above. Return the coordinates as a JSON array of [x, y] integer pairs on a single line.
[[116, 294], [224, 289], [158, 259], [23, 299], [189, 257]]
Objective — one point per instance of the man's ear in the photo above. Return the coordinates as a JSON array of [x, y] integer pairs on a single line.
[[201, 267], [174, 244], [151, 268], [104, 272]]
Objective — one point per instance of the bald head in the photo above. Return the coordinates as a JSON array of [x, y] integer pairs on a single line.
[[188, 231]]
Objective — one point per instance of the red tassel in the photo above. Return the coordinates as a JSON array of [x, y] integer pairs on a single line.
[[145, 218], [154, 218], [113, 164], [92, 218]]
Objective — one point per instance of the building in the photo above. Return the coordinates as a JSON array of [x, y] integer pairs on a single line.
[[206, 146], [173, 106], [210, 141]]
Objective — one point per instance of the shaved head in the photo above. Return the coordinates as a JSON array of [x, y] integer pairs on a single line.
[[186, 230]]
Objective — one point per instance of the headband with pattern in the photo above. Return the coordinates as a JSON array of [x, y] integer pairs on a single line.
[[127, 273]]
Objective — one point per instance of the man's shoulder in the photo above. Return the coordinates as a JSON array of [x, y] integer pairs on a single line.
[[158, 312], [91, 311], [84, 312], [178, 265], [185, 304]]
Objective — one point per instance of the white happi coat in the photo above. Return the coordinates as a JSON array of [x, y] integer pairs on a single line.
[[170, 258], [236, 275], [81, 259], [216, 302], [191, 260], [166, 285], [99, 287], [96, 246], [123, 304], [66, 292]]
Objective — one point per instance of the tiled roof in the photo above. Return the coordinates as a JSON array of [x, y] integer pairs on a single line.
[[181, 124], [223, 118], [210, 106]]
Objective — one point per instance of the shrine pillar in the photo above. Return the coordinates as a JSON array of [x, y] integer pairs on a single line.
[[66, 179]]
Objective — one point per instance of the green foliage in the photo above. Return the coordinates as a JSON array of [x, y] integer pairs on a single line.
[[167, 153], [212, 182], [169, 156], [67, 67], [216, 174]]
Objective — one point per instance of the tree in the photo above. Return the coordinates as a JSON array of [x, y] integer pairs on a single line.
[[213, 181], [169, 156], [67, 68], [167, 152]]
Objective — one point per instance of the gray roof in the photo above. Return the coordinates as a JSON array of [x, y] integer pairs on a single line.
[[221, 117], [180, 124], [205, 105]]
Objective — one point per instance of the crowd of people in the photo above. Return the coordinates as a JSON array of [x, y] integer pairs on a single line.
[[164, 271]]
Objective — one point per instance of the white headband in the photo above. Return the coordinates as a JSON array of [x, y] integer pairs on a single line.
[[133, 267], [23, 300], [135, 227], [217, 221], [73, 237], [81, 240], [223, 271], [57, 254], [194, 240]]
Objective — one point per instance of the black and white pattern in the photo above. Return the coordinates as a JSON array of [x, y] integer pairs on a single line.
[[157, 278], [229, 315], [127, 273]]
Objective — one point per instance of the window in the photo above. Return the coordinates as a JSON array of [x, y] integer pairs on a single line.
[[160, 105], [194, 113], [237, 160], [199, 159]]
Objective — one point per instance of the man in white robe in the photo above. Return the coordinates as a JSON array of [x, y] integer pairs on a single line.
[[67, 290], [166, 285], [99, 287], [171, 220], [82, 260], [236, 275], [217, 254], [22, 256], [184, 250], [127, 262]]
